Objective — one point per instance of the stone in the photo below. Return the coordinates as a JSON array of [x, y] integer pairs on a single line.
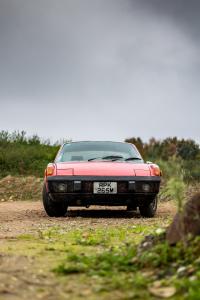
[[185, 223]]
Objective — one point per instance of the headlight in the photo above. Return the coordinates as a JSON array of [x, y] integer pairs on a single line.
[[146, 187], [62, 187]]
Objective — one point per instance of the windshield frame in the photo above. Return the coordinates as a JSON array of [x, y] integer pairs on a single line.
[[60, 152]]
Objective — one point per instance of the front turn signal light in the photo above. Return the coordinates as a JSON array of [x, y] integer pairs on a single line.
[[156, 170], [50, 170]]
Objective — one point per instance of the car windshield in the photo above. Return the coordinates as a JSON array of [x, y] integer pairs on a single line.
[[94, 151]]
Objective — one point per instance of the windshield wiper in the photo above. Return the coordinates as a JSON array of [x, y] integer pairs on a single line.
[[112, 157], [132, 158]]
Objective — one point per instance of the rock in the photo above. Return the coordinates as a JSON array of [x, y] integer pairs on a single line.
[[6, 179], [186, 223], [193, 278], [162, 292], [149, 241], [181, 270]]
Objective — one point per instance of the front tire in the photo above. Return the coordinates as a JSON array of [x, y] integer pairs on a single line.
[[53, 209], [149, 211]]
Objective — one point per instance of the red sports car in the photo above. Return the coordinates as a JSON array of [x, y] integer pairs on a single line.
[[100, 173]]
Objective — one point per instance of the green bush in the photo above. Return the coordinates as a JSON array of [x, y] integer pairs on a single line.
[[175, 157], [20, 155]]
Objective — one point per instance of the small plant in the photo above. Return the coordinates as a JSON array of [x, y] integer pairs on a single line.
[[124, 267], [103, 264], [175, 189], [90, 238]]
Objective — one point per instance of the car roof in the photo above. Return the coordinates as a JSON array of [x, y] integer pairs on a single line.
[[96, 142]]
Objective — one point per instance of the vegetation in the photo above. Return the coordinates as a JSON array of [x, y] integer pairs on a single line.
[[175, 189], [174, 269], [22, 155], [99, 264], [108, 261], [175, 156]]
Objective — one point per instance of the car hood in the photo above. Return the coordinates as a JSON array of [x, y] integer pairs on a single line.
[[103, 169]]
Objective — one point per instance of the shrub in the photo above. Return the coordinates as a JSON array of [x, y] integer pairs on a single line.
[[20, 155]]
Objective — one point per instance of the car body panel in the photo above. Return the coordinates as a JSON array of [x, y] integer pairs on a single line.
[[129, 175], [103, 169]]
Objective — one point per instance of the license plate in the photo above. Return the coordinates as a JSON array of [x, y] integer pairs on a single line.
[[105, 188]]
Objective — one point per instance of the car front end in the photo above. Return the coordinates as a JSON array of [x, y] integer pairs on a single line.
[[82, 175], [103, 190]]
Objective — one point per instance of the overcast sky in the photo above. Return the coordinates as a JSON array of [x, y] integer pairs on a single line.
[[100, 69]]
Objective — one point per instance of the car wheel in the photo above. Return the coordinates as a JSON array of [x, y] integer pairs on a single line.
[[149, 210], [52, 208]]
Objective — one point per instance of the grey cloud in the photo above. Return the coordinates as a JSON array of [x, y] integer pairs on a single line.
[[101, 69]]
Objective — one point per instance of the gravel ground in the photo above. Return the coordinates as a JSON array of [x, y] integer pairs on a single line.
[[23, 217], [25, 272]]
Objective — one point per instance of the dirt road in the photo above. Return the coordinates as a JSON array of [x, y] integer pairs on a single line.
[[26, 217]]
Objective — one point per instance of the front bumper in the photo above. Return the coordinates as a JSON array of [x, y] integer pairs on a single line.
[[80, 190]]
